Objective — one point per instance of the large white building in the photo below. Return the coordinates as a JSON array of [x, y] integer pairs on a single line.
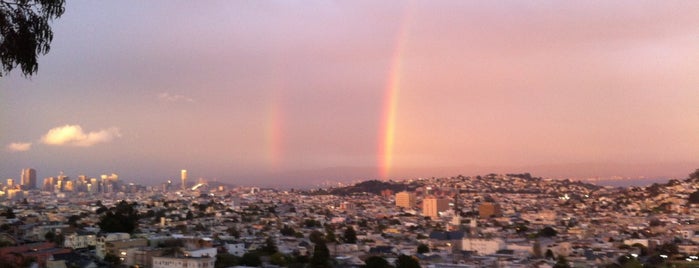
[[482, 246], [202, 252], [77, 240], [183, 262], [236, 249]]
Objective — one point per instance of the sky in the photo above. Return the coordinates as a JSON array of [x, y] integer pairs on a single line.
[[294, 93]]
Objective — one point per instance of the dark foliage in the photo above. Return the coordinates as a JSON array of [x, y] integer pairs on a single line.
[[372, 186], [377, 262], [350, 236], [321, 255], [561, 263], [287, 231], [422, 249], [8, 213], [270, 246], [121, 219], [25, 32], [548, 232], [405, 261], [251, 259], [112, 259], [226, 260], [694, 198]]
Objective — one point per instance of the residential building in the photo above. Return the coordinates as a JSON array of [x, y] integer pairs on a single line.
[[432, 206], [406, 199]]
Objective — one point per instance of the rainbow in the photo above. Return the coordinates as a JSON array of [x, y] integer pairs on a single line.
[[274, 132], [390, 104]]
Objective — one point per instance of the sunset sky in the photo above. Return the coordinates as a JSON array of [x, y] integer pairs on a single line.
[[298, 92]]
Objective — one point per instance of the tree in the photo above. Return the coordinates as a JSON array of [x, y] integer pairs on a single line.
[[250, 259], [561, 263], [112, 259], [668, 248], [549, 254], [316, 236], [405, 261], [330, 234], [548, 232], [225, 260], [55, 238], [73, 220], [270, 247], [121, 219], [694, 197], [25, 32], [537, 250], [9, 213], [350, 235], [694, 175], [50, 236], [422, 249], [321, 255], [232, 231], [376, 262], [279, 259], [287, 231]]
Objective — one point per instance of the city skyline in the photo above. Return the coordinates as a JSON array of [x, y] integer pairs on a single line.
[[284, 93]]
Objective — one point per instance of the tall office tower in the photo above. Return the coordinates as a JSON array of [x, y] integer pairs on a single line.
[[95, 185], [28, 178], [69, 186], [48, 184], [432, 206], [405, 199], [10, 183], [183, 175]]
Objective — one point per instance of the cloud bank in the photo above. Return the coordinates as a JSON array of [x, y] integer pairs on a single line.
[[73, 135], [19, 146]]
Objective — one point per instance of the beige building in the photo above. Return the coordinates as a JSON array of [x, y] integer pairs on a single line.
[[487, 210], [406, 199], [432, 206]]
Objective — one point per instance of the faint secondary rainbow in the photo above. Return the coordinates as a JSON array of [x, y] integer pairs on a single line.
[[390, 104]]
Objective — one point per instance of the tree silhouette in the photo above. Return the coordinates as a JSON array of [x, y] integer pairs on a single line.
[[321, 255], [330, 234], [270, 246], [548, 232], [549, 254], [350, 235], [376, 262], [694, 197], [121, 219], [422, 249], [316, 236], [250, 259], [8, 213], [561, 263], [405, 261], [25, 32]]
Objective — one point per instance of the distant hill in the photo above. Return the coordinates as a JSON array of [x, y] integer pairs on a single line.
[[372, 186]]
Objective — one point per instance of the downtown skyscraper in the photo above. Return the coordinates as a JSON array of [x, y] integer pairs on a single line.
[[28, 180]]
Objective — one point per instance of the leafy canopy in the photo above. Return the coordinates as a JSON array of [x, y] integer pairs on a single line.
[[25, 32]]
